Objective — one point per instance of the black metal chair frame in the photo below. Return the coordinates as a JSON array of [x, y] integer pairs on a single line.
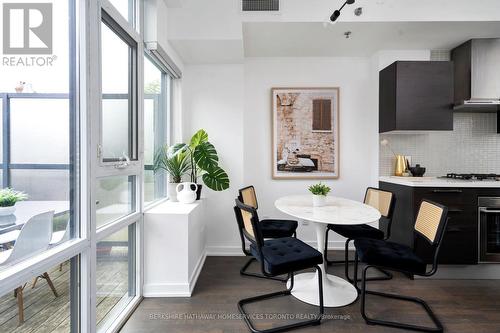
[[259, 243], [436, 247], [243, 270], [347, 261]]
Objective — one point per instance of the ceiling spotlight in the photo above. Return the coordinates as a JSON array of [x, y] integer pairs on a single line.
[[336, 13]]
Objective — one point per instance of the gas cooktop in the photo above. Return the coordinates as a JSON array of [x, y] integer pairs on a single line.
[[472, 176]]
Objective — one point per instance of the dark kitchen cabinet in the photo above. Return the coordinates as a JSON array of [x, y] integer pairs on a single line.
[[460, 241], [416, 95], [462, 57]]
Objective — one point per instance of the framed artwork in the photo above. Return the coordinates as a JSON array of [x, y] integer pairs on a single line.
[[305, 133]]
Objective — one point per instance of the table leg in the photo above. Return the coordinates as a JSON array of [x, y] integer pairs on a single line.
[[337, 292]]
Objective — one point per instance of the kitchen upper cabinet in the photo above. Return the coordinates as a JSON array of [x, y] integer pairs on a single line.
[[416, 96]]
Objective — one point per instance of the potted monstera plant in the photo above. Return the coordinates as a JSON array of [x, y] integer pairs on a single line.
[[204, 163]]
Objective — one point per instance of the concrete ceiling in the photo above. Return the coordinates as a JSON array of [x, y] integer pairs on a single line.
[[288, 39]]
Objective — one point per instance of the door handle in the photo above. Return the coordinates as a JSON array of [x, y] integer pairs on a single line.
[[489, 211], [123, 163]]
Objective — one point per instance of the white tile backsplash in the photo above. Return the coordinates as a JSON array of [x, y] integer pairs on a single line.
[[473, 146]]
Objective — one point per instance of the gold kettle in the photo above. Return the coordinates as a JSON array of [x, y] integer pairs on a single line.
[[401, 165]]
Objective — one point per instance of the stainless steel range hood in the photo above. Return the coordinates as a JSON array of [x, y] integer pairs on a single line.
[[477, 75]]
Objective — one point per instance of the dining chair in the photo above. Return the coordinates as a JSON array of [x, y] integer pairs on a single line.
[[384, 202], [430, 224], [277, 257], [271, 228], [34, 237]]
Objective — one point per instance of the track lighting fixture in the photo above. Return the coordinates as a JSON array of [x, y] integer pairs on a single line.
[[336, 13]]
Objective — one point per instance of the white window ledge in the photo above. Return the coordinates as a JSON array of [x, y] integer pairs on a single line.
[[169, 207]]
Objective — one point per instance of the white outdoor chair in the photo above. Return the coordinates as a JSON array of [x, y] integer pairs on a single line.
[[57, 238], [60, 236], [33, 238]]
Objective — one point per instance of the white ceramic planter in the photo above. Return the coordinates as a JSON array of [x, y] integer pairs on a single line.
[[319, 200], [185, 193], [172, 191], [4, 211]]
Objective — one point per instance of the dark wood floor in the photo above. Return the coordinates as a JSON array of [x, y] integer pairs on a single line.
[[462, 305]]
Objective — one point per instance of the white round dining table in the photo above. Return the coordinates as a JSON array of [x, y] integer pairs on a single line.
[[337, 292]]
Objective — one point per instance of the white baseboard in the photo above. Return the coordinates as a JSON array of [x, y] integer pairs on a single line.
[[196, 272], [176, 289], [235, 250], [166, 290]]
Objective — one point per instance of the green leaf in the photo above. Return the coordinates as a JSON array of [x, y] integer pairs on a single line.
[[159, 158], [205, 156], [216, 179], [9, 197], [176, 149], [198, 138], [173, 160]]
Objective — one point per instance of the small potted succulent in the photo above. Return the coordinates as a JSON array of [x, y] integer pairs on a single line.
[[8, 199], [319, 192]]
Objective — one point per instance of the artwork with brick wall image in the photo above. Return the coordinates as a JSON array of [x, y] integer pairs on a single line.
[[305, 133]]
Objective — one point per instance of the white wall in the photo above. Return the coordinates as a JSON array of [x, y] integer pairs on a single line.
[[356, 128], [213, 99], [233, 103]]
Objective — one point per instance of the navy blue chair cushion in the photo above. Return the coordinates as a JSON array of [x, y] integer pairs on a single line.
[[278, 228], [357, 231], [388, 254], [285, 255]]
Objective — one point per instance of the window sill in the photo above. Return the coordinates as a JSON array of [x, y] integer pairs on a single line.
[[11, 277], [154, 203], [177, 208]]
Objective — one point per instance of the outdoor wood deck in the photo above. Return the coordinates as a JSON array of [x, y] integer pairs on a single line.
[[43, 312]]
